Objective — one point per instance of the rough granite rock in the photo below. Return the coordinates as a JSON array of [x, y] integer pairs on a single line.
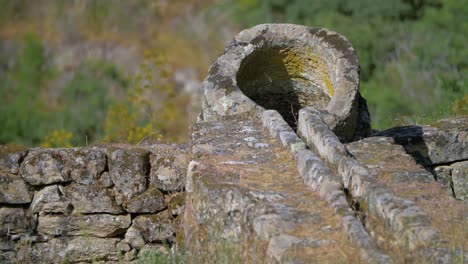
[[155, 227], [130, 255], [92, 199], [14, 221], [255, 192], [444, 175], [43, 167], [239, 199], [51, 199], [91, 249], [99, 225], [444, 142], [287, 67], [52, 251], [10, 157], [460, 179], [134, 238], [176, 204], [13, 189], [123, 246], [153, 248], [168, 169], [150, 201], [129, 171], [7, 248], [84, 165], [105, 180]]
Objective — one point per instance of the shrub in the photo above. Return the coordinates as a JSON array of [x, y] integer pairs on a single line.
[[22, 112], [152, 108], [58, 138]]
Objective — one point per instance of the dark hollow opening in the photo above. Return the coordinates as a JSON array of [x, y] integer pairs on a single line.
[[279, 78]]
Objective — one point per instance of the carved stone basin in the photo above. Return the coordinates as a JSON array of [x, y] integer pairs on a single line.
[[286, 67]]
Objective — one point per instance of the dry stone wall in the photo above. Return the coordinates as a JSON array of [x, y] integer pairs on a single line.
[[282, 168], [108, 203], [385, 188], [441, 148]]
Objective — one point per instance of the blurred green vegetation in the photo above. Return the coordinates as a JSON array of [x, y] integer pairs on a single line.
[[20, 110], [27, 115], [151, 109], [412, 53], [84, 112]]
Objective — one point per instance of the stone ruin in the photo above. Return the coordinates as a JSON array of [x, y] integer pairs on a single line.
[[282, 167]]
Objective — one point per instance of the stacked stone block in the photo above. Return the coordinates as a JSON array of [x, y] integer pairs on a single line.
[[107, 203]]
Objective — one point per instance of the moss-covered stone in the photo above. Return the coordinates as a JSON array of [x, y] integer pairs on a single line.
[[10, 157], [155, 227], [13, 190], [44, 166], [128, 169]]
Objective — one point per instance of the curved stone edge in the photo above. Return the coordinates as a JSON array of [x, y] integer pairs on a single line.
[[222, 97], [402, 215], [316, 174]]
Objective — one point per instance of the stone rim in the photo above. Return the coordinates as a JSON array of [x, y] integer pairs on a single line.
[[223, 97]]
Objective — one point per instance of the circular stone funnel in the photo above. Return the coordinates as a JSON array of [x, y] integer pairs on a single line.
[[286, 67]]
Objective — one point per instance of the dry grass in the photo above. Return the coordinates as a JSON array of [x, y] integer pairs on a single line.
[[274, 170]]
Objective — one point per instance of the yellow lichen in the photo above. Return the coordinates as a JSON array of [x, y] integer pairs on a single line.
[[297, 62]]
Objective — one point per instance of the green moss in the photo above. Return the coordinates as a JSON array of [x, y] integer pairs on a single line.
[[176, 200], [298, 62], [12, 149], [229, 90]]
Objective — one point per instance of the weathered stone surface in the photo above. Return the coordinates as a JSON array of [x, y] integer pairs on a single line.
[[128, 170], [278, 128], [286, 67], [443, 142], [51, 199], [84, 164], [155, 227], [176, 204], [319, 137], [153, 248], [281, 245], [42, 167], [123, 246], [52, 251], [92, 249], [105, 180], [444, 175], [134, 238], [406, 196], [92, 199], [14, 221], [100, 225], [318, 176], [389, 160], [130, 255], [7, 250], [150, 201], [239, 199], [76, 250], [460, 179], [375, 184], [10, 157], [13, 189], [168, 169]]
